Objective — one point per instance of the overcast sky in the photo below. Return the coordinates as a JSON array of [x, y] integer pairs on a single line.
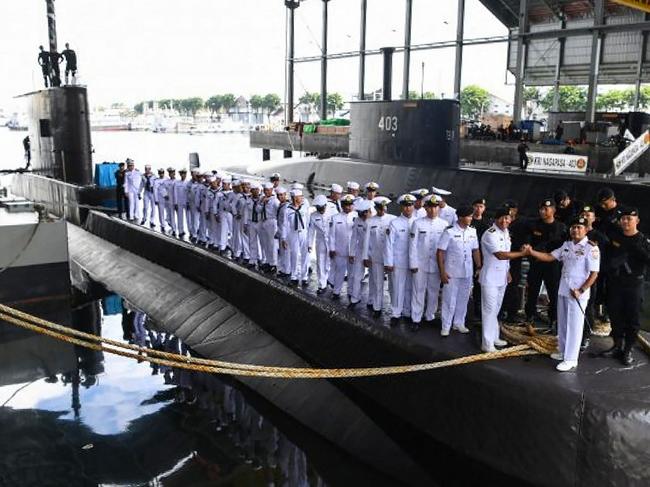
[[131, 50]]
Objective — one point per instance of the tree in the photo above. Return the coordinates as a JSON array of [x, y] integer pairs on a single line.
[[228, 100], [614, 100], [334, 102], [191, 105], [572, 99], [270, 103], [214, 104], [165, 103], [139, 108], [428, 95], [473, 101]]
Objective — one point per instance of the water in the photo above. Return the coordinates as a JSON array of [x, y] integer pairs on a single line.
[[87, 418]]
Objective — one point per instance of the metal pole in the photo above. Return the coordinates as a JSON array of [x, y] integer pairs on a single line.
[[594, 66], [558, 67], [323, 67], [521, 61], [362, 50], [387, 90], [460, 32], [407, 49], [422, 83], [643, 38], [51, 31], [290, 68]]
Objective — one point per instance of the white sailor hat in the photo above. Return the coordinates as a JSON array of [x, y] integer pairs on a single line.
[[207, 174], [267, 186], [296, 192], [129, 160], [336, 188], [420, 193], [245, 181], [297, 186], [280, 190], [147, 166], [320, 200], [372, 186], [352, 185], [439, 191], [236, 182], [362, 205], [171, 169], [431, 200], [348, 199], [275, 175], [381, 200], [226, 180], [406, 199], [256, 186]]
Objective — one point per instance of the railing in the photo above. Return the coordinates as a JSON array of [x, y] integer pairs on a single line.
[[60, 199]]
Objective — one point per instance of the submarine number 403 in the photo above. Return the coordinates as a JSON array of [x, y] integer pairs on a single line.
[[388, 123]]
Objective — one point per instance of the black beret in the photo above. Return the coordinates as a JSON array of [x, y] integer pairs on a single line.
[[546, 203], [605, 194], [480, 201], [579, 221], [560, 195], [629, 211], [587, 208], [510, 204]]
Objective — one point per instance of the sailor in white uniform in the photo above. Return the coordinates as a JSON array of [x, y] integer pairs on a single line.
[[168, 199], [446, 212], [423, 246], [580, 259], [396, 260], [275, 181], [317, 236], [372, 189], [133, 189], [495, 276], [358, 244], [242, 202], [457, 248], [159, 197], [354, 189], [374, 254], [284, 265], [148, 199], [180, 201], [223, 215], [253, 224], [269, 228], [233, 207], [296, 225], [334, 201], [339, 236], [419, 194], [207, 213]]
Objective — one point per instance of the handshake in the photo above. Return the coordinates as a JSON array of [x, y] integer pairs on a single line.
[[527, 250]]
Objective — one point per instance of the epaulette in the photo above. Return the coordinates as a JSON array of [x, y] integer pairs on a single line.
[[450, 226], [591, 242], [492, 230]]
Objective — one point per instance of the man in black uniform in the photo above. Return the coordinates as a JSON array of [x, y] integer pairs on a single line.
[[523, 157], [566, 209], [44, 63], [606, 211], [597, 296], [511, 299], [628, 256], [70, 63], [481, 224], [27, 146], [544, 234], [122, 201]]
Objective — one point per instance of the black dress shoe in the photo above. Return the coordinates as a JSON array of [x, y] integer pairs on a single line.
[[352, 305], [141, 222], [626, 358], [320, 290], [407, 319], [152, 225], [293, 283], [376, 314], [413, 327], [369, 306], [336, 297], [394, 321], [305, 284]]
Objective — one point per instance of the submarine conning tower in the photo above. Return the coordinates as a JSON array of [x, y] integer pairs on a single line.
[[59, 131]]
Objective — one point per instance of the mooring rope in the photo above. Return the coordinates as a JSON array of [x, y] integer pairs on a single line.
[[528, 345]]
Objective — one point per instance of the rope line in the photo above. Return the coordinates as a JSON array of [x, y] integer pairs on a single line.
[[537, 344]]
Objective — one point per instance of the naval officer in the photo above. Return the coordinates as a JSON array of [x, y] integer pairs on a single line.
[[425, 234], [495, 276], [457, 248], [580, 259], [317, 236], [148, 197], [396, 260], [340, 232], [358, 242], [296, 225], [269, 227], [374, 254], [133, 189]]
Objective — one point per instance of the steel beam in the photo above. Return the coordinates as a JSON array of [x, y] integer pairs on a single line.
[[362, 50], [594, 64], [558, 68], [520, 70], [643, 38], [290, 59], [407, 49], [460, 30], [323, 66]]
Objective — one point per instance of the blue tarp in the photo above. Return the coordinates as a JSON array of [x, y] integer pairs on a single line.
[[105, 174], [112, 305]]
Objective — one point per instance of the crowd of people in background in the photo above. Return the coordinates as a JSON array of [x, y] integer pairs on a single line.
[[432, 257]]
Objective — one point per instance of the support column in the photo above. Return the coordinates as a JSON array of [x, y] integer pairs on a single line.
[[521, 61], [407, 49], [362, 50], [594, 66], [643, 37], [51, 31], [323, 66], [460, 34], [291, 5], [558, 67], [387, 90]]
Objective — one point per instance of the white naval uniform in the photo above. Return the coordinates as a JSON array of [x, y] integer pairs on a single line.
[[284, 266], [224, 218], [168, 203], [317, 237], [180, 204], [195, 212], [493, 279], [578, 260], [148, 198], [332, 208], [374, 252], [269, 228], [340, 232], [396, 255], [458, 244], [296, 224], [200, 196], [358, 243], [425, 234], [448, 213], [237, 234], [253, 226], [133, 188], [420, 213], [207, 209], [159, 193]]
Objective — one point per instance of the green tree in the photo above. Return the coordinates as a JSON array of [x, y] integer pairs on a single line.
[[572, 99], [614, 100], [228, 101], [334, 102], [428, 95], [271, 102], [257, 102], [138, 108], [165, 103], [473, 101], [191, 105], [214, 104], [312, 100]]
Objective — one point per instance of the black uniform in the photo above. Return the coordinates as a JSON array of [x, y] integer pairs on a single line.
[[122, 201], [627, 259], [70, 60], [523, 157], [44, 62], [606, 220], [568, 214], [544, 237], [511, 299]]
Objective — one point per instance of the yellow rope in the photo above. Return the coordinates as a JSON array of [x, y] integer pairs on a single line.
[[18, 318]]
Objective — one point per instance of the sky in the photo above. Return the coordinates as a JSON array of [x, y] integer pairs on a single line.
[[134, 50]]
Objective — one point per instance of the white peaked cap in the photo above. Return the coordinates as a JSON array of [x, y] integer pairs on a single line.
[[320, 200], [336, 188], [439, 191], [256, 186], [226, 179], [353, 185], [280, 190], [297, 186], [381, 200], [363, 205], [296, 192]]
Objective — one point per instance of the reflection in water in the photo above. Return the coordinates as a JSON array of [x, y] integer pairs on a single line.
[[107, 419]]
